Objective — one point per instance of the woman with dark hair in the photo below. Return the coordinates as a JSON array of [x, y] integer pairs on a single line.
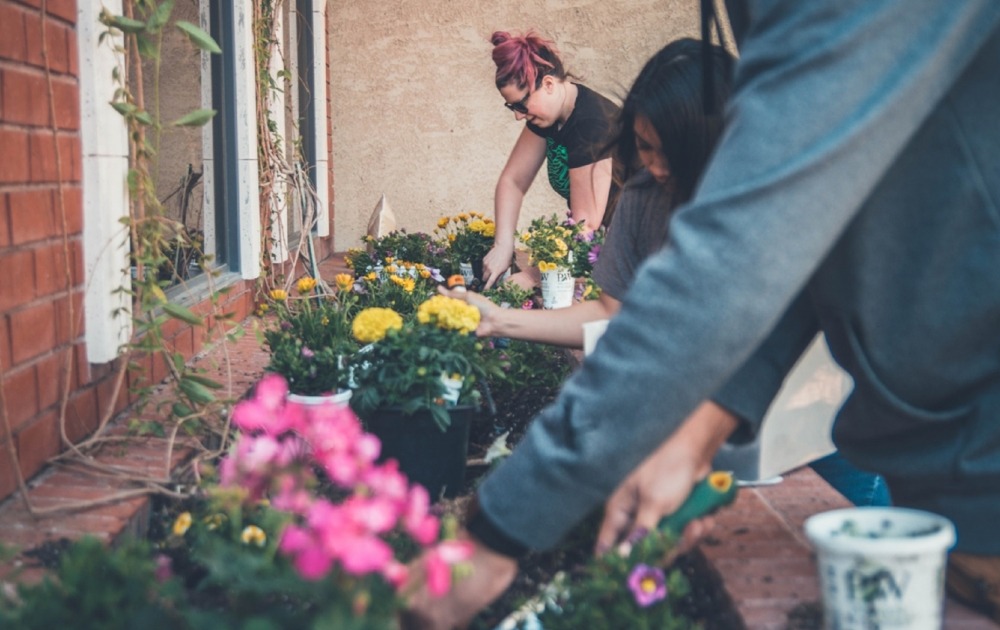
[[664, 140], [567, 125]]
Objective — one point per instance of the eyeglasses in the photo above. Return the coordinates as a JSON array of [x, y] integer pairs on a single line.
[[521, 107]]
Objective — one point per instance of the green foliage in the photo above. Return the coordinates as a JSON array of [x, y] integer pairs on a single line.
[[405, 370], [554, 242], [599, 596], [417, 247], [309, 342], [397, 284], [98, 589], [524, 365], [467, 235], [510, 295]]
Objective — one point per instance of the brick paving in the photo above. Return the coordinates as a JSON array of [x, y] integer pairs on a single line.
[[758, 547]]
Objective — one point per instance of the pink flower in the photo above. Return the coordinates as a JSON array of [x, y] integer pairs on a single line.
[[395, 573], [419, 524], [527, 305], [648, 585], [366, 554], [309, 558], [439, 562], [267, 410]]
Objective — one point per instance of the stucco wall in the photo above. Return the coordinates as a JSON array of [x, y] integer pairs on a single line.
[[416, 115]]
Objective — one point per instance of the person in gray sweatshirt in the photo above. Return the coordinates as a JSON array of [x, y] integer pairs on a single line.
[[855, 190]]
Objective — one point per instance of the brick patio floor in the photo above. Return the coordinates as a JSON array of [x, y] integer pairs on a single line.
[[758, 547]]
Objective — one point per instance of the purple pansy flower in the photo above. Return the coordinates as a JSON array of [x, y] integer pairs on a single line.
[[648, 585], [594, 253]]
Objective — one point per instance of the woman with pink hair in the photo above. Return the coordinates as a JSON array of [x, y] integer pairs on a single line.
[[567, 125]]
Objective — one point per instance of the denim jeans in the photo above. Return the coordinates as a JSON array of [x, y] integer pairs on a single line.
[[860, 487]]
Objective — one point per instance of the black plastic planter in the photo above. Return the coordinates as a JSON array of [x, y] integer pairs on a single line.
[[433, 458]]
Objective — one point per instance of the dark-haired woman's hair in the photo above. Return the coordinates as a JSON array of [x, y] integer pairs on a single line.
[[524, 60], [668, 92]]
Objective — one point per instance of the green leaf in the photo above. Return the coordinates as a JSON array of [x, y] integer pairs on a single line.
[[199, 38], [197, 118], [161, 15], [182, 313], [144, 118], [207, 382], [181, 410], [124, 24], [196, 391], [123, 108], [147, 46]]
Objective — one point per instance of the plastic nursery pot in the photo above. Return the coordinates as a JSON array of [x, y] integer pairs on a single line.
[[341, 398], [881, 567], [557, 288], [433, 458]]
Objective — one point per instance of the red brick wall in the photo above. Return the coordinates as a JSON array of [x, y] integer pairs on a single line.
[[41, 225]]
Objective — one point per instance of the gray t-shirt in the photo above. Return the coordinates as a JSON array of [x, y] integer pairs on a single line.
[[638, 230]]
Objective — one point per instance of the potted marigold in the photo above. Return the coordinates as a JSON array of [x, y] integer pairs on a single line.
[[310, 340], [468, 237], [563, 250], [416, 387]]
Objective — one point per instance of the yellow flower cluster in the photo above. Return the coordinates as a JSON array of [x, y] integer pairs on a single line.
[[305, 285], [547, 242], [372, 324], [547, 266], [408, 284], [486, 227], [449, 314]]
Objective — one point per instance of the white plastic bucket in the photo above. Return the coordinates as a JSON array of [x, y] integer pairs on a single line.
[[881, 567]]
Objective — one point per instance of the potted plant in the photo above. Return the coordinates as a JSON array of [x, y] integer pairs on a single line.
[[415, 387], [310, 341], [468, 237], [563, 250]]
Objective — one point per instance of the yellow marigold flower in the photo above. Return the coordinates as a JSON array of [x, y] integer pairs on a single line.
[[443, 222], [463, 216], [182, 524], [425, 274], [371, 276], [372, 324], [344, 281], [451, 238], [279, 295], [253, 535], [391, 269], [396, 280], [449, 314], [409, 284], [389, 259], [305, 284]]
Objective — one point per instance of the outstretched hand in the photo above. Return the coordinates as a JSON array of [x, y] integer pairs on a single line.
[[495, 263]]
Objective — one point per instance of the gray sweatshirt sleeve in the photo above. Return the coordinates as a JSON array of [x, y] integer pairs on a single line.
[[826, 96]]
